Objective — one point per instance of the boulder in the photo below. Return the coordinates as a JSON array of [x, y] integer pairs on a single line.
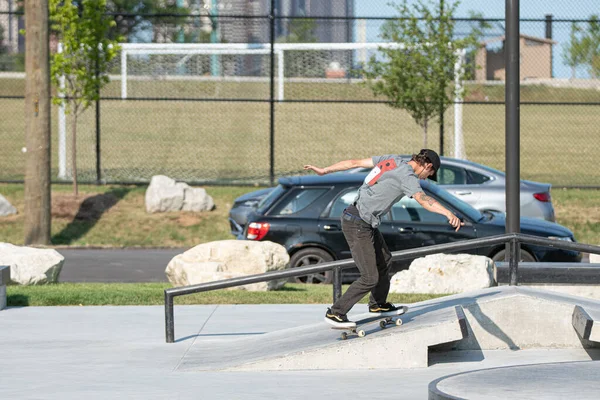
[[445, 273], [226, 259], [31, 266], [196, 199], [166, 195], [6, 208]]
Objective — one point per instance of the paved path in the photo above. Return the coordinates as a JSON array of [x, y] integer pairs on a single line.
[[116, 265], [120, 353]]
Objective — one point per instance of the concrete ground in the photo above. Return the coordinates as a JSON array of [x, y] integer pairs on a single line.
[[120, 352]]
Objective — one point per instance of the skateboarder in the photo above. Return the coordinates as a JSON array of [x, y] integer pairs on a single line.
[[390, 180]]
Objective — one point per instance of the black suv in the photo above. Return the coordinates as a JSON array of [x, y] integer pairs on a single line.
[[303, 214]]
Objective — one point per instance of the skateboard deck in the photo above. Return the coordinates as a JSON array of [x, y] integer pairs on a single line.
[[365, 319]]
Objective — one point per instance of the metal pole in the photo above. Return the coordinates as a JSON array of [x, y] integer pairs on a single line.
[[512, 116], [337, 284], [214, 38], [513, 263], [169, 320], [272, 98], [549, 36], [98, 173], [441, 104]]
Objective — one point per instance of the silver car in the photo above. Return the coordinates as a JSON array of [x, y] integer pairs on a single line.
[[482, 187], [485, 189]]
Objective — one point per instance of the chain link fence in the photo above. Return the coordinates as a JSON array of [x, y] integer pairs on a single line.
[[225, 116]]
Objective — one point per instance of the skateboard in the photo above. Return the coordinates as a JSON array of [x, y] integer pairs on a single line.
[[365, 319]]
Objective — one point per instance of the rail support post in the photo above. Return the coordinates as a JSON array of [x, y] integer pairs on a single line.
[[337, 284], [169, 321]]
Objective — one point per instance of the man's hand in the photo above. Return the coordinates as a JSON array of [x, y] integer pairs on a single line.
[[454, 221], [319, 171]]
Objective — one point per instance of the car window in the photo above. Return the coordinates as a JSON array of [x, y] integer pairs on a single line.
[[451, 176], [298, 200], [343, 201], [408, 210], [268, 200], [475, 178]]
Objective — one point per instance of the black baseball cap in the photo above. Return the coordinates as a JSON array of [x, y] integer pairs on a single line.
[[433, 157]]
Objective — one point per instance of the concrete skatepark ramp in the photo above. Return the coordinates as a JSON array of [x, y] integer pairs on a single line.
[[498, 318]]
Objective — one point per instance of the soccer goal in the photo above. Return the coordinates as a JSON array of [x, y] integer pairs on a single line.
[[326, 63]]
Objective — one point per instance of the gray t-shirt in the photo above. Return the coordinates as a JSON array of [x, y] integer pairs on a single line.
[[390, 180]]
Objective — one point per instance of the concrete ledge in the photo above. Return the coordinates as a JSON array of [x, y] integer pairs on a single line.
[[4, 279], [584, 322], [4, 275]]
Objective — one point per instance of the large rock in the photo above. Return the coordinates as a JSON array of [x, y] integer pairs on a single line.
[[226, 259], [166, 195], [30, 266], [5, 207], [445, 273]]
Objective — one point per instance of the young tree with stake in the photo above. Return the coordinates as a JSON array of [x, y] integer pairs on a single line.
[[83, 30], [416, 77]]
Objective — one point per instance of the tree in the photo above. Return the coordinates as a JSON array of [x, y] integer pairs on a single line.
[[87, 51], [574, 54], [417, 76], [37, 124], [591, 45], [129, 14], [301, 63]]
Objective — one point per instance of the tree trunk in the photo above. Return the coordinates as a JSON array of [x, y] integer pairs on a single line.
[[573, 72], [425, 133], [37, 124], [74, 150]]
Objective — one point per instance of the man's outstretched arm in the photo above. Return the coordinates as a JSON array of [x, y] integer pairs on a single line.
[[431, 204], [342, 166]]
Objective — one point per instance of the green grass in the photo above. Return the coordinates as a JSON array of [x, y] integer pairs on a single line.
[[123, 222], [146, 294], [229, 141], [579, 210]]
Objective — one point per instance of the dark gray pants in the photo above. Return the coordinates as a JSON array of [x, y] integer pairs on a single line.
[[373, 259]]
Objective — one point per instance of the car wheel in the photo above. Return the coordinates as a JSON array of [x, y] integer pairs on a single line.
[[311, 256], [525, 256]]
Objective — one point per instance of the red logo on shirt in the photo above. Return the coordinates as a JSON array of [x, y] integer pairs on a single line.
[[385, 165]]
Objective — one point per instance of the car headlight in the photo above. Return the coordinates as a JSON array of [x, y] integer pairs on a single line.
[[565, 238]]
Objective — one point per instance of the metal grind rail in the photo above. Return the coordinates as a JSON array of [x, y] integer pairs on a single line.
[[338, 266]]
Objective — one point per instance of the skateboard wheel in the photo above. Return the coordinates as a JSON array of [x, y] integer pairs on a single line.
[[398, 322], [382, 324], [361, 333], [344, 336]]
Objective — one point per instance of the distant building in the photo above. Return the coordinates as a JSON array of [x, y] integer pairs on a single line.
[[535, 59], [11, 24], [258, 30]]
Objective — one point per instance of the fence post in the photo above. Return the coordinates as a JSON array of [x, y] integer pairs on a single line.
[[549, 36], [272, 98], [337, 284], [98, 173]]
